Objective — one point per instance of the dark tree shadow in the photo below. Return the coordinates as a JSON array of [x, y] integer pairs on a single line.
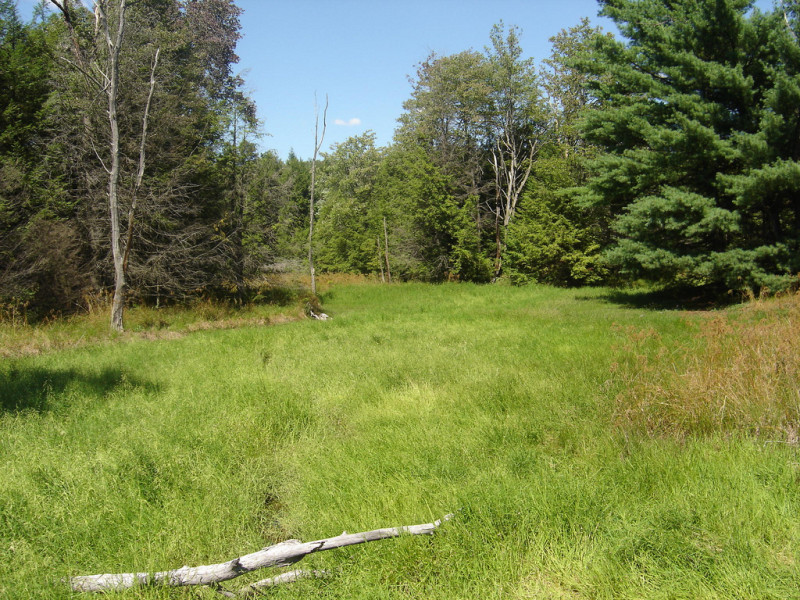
[[690, 298], [42, 389]]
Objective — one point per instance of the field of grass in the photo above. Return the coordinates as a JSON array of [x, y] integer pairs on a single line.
[[508, 407]]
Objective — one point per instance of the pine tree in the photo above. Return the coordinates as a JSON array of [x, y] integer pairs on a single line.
[[699, 123]]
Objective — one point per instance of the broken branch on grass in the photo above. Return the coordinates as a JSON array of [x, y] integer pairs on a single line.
[[254, 589], [280, 555]]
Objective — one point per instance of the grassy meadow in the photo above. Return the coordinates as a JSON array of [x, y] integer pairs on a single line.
[[532, 414]]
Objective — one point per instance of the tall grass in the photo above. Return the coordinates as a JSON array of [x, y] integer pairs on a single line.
[[18, 337], [496, 404], [739, 374]]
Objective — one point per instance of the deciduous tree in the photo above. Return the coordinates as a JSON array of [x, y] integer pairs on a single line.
[[517, 128]]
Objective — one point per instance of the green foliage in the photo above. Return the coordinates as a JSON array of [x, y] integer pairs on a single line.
[[350, 221], [188, 233], [555, 239], [695, 115], [447, 118], [35, 249], [291, 228], [482, 122], [431, 236], [551, 240]]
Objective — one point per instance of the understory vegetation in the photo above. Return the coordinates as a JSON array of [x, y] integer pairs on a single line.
[[271, 300], [529, 413]]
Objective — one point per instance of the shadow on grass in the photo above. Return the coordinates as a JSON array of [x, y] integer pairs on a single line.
[[42, 389], [669, 299]]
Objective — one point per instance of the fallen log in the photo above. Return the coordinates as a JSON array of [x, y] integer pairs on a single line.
[[280, 555]]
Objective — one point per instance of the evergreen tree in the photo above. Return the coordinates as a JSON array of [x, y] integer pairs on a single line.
[[42, 266], [554, 238], [349, 219], [699, 127], [433, 234], [292, 195], [181, 227]]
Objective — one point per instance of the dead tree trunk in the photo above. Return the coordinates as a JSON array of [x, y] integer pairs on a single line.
[[512, 163], [380, 258], [317, 146], [140, 170], [386, 250], [104, 79], [114, 47]]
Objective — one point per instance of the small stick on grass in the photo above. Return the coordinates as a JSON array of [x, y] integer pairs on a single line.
[[289, 577]]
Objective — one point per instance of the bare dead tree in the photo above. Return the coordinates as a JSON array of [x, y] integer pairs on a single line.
[[516, 137], [140, 170], [317, 145], [386, 250], [104, 76], [512, 161]]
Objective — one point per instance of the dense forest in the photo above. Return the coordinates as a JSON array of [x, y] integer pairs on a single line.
[[669, 154]]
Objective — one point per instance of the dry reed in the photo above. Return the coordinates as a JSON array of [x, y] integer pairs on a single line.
[[739, 375]]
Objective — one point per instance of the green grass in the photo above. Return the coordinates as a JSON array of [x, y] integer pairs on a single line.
[[493, 403]]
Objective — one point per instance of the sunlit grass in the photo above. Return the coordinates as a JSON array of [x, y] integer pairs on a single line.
[[495, 404]]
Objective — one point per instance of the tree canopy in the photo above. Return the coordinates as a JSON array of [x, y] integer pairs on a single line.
[[667, 154], [698, 126]]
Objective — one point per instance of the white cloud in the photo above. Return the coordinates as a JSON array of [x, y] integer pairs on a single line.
[[351, 123]]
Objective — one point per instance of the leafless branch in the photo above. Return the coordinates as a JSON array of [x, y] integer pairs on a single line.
[[317, 145], [140, 170]]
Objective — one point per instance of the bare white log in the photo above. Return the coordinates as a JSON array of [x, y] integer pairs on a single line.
[[280, 555]]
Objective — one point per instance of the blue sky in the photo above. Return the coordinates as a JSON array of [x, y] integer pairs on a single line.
[[361, 53]]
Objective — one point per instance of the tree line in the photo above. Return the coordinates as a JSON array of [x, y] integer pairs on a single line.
[[669, 154]]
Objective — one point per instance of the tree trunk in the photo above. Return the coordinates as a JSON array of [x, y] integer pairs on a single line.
[[237, 216], [497, 209], [386, 250], [140, 170], [317, 146], [118, 303], [380, 258]]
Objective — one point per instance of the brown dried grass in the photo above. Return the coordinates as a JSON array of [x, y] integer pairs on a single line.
[[142, 323], [739, 375]]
